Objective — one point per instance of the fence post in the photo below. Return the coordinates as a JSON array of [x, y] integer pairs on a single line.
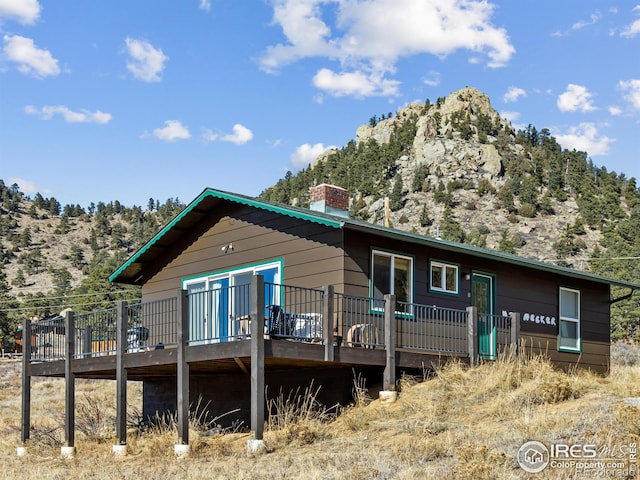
[[472, 334], [68, 449], [515, 333], [121, 378], [26, 385], [256, 443], [182, 380], [327, 322], [87, 335], [389, 377]]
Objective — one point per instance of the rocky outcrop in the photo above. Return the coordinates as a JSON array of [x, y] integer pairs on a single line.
[[381, 133], [437, 144], [460, 141]]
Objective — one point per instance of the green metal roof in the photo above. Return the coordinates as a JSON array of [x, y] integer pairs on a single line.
[[356, 225]]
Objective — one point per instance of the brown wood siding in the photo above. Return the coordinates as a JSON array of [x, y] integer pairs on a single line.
[[519, 289], [257, 236], [595, 356]]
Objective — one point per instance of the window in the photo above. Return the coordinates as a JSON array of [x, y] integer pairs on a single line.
[[569, 334], [391, 274], [444, 277]]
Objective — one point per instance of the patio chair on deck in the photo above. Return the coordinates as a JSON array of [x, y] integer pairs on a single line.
[[362, 335], [136, 338], [281, 323]]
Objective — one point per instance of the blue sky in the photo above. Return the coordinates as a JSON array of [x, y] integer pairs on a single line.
[[114, 100]]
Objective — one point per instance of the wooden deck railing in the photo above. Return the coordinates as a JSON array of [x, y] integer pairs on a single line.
[[311, 315]]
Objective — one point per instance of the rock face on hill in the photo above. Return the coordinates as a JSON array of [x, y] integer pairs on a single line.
[[463, 146], [436, 145]]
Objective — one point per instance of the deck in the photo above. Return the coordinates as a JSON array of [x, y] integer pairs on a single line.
[[212, 332], [216, 325], [235, 357]]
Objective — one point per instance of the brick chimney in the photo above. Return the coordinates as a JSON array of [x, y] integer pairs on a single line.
[[329, 199]]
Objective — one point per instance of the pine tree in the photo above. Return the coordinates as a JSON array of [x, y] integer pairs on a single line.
[[450, 228], [506, 245], [425, 220], [8, 324], [395, 199], [61, 281], [19, 280]]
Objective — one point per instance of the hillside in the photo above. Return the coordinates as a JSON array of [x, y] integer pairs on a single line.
[[54, 257], [452, 169], [462, 423]]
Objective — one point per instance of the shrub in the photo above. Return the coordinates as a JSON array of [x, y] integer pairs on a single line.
[[485, 186], [527, 210], [625, 354]]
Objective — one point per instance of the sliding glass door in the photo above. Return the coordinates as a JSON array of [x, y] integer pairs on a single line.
[[219, 303]]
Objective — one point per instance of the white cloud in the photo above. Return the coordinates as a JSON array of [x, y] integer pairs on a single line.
[[357, 84], [510, 116], [433, 80], [633, 28], [593, 19], [585, 138], [240, 135], [205, 5], [513, 94], [632, 91], [81, 116], [580, 24], [146, 62], [368, 37], [306, 154], [27, 187], [31, 60], [615, 110], [173, 130], [209, 136], [577, 97], [23, 11]]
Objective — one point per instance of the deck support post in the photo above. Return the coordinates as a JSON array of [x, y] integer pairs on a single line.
[[515, 333], [182, 380], [25, 415], [256, 444], [68, 449], [327, 322], [120, 447], [389, 377], [472, 334]]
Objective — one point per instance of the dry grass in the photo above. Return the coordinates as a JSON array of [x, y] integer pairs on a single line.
[[460, 424]]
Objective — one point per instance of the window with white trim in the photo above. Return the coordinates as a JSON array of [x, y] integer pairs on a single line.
[[444, 277], [569, 327], [391, 274]]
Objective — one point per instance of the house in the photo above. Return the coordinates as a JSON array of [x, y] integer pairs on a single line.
[[335, 297]]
